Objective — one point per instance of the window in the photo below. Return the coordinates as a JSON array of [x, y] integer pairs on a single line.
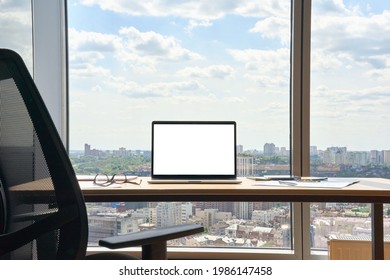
[[16, 28], [134, 62], [350, 127], [129, 62]]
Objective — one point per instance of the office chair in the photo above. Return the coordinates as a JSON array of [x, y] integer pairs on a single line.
[[42, 210]]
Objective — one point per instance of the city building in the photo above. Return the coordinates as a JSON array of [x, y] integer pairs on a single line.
[[245, 166], [242, 210], [168, 214], [269, 149]]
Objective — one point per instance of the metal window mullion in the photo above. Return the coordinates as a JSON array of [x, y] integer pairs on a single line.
[[305, 88], [295, 110], [300, 87], [305, 130]]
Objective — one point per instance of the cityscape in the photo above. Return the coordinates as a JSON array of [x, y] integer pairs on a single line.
[[237, 224]]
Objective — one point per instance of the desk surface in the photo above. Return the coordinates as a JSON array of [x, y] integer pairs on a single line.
[[369, 190]]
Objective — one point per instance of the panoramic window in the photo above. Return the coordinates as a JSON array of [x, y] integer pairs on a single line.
[[134, 62], [350, 124]]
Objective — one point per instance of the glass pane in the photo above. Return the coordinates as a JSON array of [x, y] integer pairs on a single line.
[[350, 124], [16, 28], [138, 61]]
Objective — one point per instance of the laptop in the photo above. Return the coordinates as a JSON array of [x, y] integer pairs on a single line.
[[194, 152]]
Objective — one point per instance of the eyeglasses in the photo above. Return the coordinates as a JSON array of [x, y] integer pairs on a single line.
[[120, 178]]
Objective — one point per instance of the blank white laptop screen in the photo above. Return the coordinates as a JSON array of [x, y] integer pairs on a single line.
[[194, 149]]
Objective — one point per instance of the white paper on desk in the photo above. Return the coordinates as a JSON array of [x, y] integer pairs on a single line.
[[333, 184]]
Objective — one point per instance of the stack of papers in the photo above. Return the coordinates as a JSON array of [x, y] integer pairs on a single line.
[[331, 183]]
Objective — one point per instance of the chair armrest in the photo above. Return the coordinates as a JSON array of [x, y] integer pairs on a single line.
[[153, 236]]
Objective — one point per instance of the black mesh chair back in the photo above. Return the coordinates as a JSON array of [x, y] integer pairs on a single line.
[[42, 211]]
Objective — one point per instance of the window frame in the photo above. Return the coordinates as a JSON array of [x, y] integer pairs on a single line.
[[50, 38], [49, 22]]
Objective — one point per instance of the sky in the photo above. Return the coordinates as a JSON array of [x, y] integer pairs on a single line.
[[15, 28], [178, 60], [132, 62]]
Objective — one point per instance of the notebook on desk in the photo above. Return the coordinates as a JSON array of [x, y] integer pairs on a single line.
[[194, 152]]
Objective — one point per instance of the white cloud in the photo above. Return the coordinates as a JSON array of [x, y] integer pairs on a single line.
[[351, 56], [194, 9], [87, 50], [213, 71], [197, 23], [235, 99], [265, 66], [16, 28], [155, 45], [88, 70], [86, 57], [274, 108], [326, 61], [161, 89], [332, 7], [267, 81], [263, 60], [87, 41], [143, 49], [274, 28], [381, 75], [375, 100], [364, 39]]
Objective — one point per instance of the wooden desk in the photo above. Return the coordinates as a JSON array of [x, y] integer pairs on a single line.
[[368, 190]]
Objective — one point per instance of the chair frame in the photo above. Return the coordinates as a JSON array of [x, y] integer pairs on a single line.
[[71, 215]]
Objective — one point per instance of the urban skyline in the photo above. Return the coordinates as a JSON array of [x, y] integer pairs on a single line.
[[331, 162], [241, 224], [237, 224], [268, 149], [234, 224]]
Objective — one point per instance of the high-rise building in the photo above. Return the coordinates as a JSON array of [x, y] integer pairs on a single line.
[[168, 214], [266, 216], [104, 224], [242, 210], [245, 166], [269, 149], [222, 206], [87, 149], [374, 156], [262, 205], [358, 158], [208, 217], [335, 155], [283, 151], [386, 156], [186, 212]]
